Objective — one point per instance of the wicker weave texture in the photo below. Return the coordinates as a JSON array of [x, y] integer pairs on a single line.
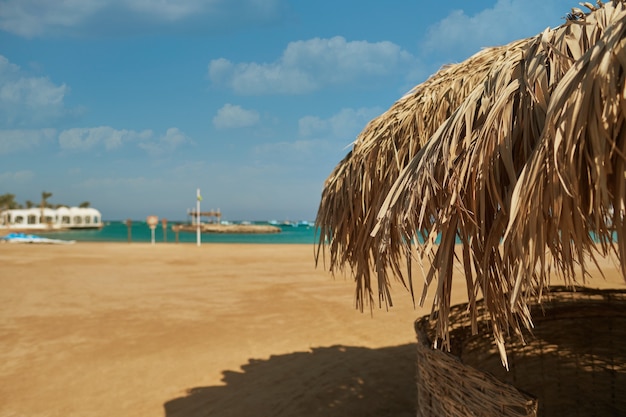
[[573, 363]]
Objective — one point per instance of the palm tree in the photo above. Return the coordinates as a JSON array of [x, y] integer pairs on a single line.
[[44, 203], [537, 136], [84, 204], [7, 202]]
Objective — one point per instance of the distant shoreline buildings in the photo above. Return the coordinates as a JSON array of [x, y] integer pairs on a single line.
[[48, 219]]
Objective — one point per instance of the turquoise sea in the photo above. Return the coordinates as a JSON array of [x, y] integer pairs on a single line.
[[117, 231]]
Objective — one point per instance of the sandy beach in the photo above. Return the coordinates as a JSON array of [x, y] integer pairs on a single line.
[[117, 329]]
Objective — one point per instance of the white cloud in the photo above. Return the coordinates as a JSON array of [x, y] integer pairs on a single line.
[[461, 35], [11, 178], [169, 9], [28, 100], [284, 149], [319, 137], [309, 126], [172, 139], [31, 18], [24, 140], [220, 70], [131, 183], [310, 65], [344, 125], [34, 17], [82, 139], [232, 116]]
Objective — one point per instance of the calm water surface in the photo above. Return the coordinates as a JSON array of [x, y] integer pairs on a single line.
[[117, 231]]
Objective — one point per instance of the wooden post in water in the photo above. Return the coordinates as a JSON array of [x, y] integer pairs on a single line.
[[129, 225], [198, 200], [164, 225]]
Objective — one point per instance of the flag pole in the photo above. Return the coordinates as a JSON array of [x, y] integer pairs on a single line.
[[198, 199]]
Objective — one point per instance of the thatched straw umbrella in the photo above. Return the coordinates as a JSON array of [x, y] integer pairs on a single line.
[[571, 195], [499, 166], [355, 191]]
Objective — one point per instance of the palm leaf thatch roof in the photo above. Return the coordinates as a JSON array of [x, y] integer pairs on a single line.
[[575, 181], [356, 189], [526, 156]]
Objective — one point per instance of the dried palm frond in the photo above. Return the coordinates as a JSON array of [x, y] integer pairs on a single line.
[[354, 192], [571, 196], [461, 185], [460, 182]]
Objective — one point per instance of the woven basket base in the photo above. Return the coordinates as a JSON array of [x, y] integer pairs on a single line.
[[573, 363]]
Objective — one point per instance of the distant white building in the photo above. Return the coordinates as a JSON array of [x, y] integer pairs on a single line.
[[51, 219]]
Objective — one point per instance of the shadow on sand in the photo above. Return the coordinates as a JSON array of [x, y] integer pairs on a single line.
[[329, 381]]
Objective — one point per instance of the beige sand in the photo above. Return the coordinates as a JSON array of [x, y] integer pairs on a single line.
[[176, 330]]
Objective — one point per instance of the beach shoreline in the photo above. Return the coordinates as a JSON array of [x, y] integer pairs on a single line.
[[134, 329]]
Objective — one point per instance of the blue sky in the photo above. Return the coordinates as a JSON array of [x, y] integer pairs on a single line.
[[133, 104]]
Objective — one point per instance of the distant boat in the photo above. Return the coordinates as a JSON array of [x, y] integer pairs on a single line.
[[27, 238], [303, 223]]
